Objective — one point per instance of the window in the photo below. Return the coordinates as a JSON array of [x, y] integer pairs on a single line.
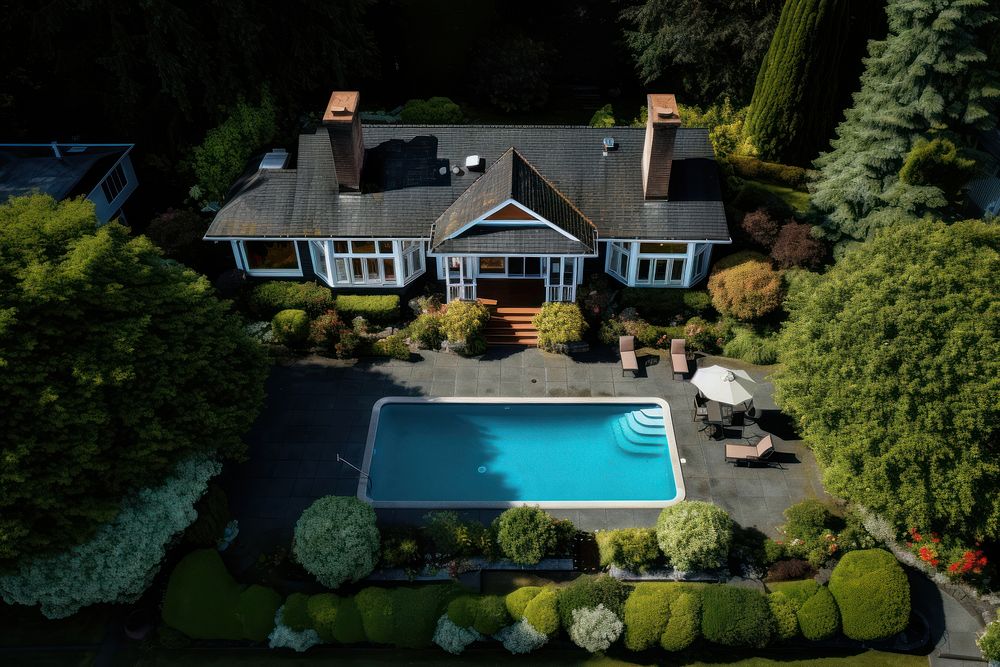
[[659, 271], [701, 261], [365, 262], [362, 247], [491, 265], [340, 247], [114, 183], [524, 267], [385, 247], [279, 256], [413, 259], [663, 248], [618, 259]]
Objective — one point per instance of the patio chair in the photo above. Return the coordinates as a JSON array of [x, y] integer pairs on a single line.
[[678, 357], [626, 350], [748, 454]]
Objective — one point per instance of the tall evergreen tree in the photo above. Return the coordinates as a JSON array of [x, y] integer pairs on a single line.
[[795, 99], [930, 73]]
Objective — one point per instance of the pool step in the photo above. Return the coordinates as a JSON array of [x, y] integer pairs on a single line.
[[636, 424], [628, 444]]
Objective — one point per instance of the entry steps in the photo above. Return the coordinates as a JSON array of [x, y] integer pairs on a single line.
[[511, 326], [641, 432]]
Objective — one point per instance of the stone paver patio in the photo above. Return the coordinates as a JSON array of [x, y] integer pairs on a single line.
[[318, 408]]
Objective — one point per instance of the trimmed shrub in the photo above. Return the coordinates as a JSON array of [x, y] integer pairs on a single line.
[[753, 169], [589, 592], [752, 348], [295, 613], [433, 111], [392, 346], [818, 616], [400, 548], [322, 612], [204, 602], [453, 638], [375, 607], [633, 549], [795, 246], [872, 593], [283, 636], [526, 534], [491, 615], [518, 600], [734, 616], [463, 323], [989, 641], [521, 637], [336, 540], [684, 626], [761, 226], [348, 627], [379, 309], [746, 291], [694, 535], [783, 608], [559, 323], [426, 331], [415, 612], [796, 591], [266, 299], [543, 611], [291, 328], [595, 628], [646, 613], [462, 610], [661, 304], [324, 331]]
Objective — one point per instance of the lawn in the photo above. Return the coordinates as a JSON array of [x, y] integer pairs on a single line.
[[796, 200]]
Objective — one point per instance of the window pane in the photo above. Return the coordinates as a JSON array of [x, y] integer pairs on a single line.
[[363, 246], [373, 273], [623, 265], [643, 275], [554, 268], [663, 248], [385, 247], [677, 270], [660, 272], [568, 271], [357, 271], [532, 266], [343, 270], [389, 270], [491, 264], [515, 266], [270, 255]]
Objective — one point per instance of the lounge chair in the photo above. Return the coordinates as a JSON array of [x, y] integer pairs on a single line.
[[762, 451], [678, 357], [626, 350]]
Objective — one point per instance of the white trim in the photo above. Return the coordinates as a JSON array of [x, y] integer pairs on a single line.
[[632, 238], [668, 425], [277, 273], [482, 220], [511, 254]]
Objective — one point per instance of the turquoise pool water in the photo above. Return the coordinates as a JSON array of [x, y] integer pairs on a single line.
[[455, 452]]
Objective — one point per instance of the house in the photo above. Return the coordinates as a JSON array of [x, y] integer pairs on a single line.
[[482, 208], [984, 191], [102, 173]]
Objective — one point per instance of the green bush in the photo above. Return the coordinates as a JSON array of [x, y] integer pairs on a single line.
[[378, 309], [603, 117], [400, 547], [324, 332], [518, 600], [433, 111], [426, 331], [348, 345], [454, 537], [809, 531], [336, 540], [543, 611], [989, 641], [588, 591], [204, 602], [818, 617], [392, 346], [266, 299], [700, 335], [872, 593], [491, 615], [746, 291], [796, 591], [322, 611], [559, 323], [633, 549], [462, 610], [416, 612], [734, 616], [646, 613], [295, 613], [661, 304], [463, 323], [694, 535], [684, 626], [751, 347], [291, 327], [783, 608], [375, 607], [753, 169], [526, 535]]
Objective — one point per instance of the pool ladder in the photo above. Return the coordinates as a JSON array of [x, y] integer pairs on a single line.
[[641, 432]]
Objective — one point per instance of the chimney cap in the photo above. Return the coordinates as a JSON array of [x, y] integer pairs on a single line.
[[342, 107], [663, 109]]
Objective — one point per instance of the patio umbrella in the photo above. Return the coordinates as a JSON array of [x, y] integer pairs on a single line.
[[724, 385]]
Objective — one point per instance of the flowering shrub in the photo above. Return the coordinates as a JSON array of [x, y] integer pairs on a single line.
[[694, 535], [453, 638], [989, 641], [96, 570], [595, 629], [946, 554], [285, 637], [521, 637], [336, 540]]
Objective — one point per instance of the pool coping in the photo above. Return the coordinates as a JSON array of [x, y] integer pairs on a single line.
[[675, 462]]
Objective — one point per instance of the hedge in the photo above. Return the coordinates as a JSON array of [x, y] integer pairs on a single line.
[[646, 613], [660, 304], [633, 549], [784, 610], [377, 309], [295, 612], [872, 593], [518, 600], [404, 617], [818, 617], [736, 617], [588, 592], [797, 591], [684, 626], [204, 602], [543, 611], [753, 169], [266, 299], [462, 610], [491, 615]]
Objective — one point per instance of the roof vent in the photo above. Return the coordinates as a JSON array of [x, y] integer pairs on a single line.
[[277, 158], [457, 170], [474, 163], [443, 171]]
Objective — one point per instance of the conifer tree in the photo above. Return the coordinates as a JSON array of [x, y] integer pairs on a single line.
[[930, 73]]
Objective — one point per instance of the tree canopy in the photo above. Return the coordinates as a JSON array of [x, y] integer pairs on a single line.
[[892, 369], [931, 73], [114, 365]]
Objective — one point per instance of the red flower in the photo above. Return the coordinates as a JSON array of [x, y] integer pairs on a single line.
[[935, 538], [917, 537], [954, 567]]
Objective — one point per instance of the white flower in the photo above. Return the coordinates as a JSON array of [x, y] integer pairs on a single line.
[[595, 628], [453, 638], [521, 637]]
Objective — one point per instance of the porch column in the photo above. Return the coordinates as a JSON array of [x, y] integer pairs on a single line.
[[329, 263], [689, 264], [633, 263], [236, 253]]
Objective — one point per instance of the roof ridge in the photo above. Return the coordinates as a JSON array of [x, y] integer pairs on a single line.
[[553, 186]]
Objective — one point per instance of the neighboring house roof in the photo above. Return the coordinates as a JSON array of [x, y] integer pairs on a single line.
[[404, 193], [27, 168]]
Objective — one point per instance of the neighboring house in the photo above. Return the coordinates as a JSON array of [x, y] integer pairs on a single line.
[[102, 173], [984, 192], [481, 206]]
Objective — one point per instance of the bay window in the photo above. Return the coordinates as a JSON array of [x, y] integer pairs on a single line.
[[271, 258], [367, 262]]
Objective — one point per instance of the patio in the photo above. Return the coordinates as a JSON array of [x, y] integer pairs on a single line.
[[318, 408]]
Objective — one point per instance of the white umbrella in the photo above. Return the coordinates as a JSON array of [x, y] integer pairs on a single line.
[[723, 384]]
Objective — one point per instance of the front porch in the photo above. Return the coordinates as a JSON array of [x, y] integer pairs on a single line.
[[510, 280]]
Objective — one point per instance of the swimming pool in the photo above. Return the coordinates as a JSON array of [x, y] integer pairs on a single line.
[[552, 452]]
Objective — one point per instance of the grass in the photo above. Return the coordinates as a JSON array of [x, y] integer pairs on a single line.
[[796, 200]]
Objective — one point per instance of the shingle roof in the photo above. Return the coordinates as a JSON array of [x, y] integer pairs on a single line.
[[401, 200], [504, 240], [30, 168], [512, 177]]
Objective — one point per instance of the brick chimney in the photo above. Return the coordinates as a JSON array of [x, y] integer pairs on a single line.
[[658, 149], [343, 122]]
